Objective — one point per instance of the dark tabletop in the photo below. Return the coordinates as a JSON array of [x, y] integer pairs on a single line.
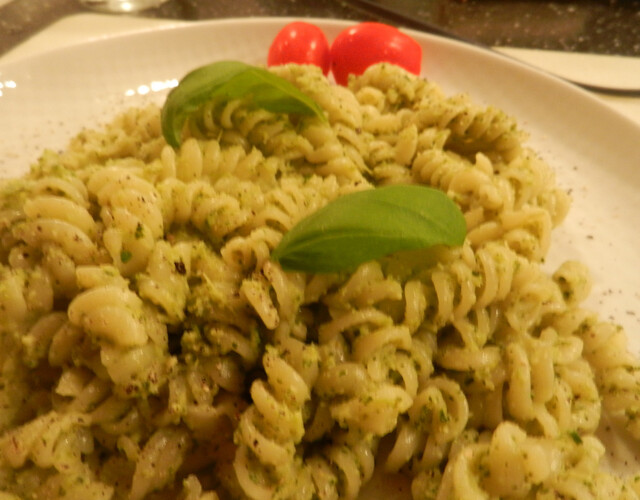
[[595, 26]]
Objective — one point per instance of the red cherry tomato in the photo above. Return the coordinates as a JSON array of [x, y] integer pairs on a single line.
[[300, 43], [358, 47]]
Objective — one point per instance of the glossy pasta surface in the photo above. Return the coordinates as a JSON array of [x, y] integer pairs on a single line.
[[151, 349]]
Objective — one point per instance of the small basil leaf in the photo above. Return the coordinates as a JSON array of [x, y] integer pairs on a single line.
[[370, 224], [224, 81]]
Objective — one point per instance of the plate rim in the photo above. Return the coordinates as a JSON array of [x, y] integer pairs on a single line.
[[180, 26]]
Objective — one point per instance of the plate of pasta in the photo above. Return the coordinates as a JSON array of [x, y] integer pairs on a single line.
[[153, 348]]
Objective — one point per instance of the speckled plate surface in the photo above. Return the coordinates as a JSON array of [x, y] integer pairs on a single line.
[[47, 98]]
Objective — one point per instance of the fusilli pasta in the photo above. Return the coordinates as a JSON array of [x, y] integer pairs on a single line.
[[151, 349]]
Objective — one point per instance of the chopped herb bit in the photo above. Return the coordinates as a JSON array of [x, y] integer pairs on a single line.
[[576, 437]]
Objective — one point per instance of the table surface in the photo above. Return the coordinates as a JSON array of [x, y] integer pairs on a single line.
[[592, 26]]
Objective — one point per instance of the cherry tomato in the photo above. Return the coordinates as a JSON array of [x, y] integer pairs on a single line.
[[300, 43], [358, 47]]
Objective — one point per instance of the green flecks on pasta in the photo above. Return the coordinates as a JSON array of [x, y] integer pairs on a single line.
[[150, 346]]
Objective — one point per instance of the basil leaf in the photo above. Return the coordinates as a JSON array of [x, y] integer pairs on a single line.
[[367, 225], [224, 81]]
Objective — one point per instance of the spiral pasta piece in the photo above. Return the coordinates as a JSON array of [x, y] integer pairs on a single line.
[[522, 219], [467, 287], [62, 226], [549, 386], [437, 417], [237, 125], [245, 253], [108, 312], [473, 128], [617, 372], [51, 440], [132, 341], [159, 459], [375, 384], [340, 470], [339, 103], [293, 200], [270, 429], [23, 294], [288, 290], [131, 213], [514, 464], [54, 227], [165, 281]]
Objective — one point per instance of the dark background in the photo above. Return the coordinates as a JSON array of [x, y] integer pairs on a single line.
[[595, 26]]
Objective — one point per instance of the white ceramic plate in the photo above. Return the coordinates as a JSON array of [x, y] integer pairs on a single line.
[[46, 99]]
